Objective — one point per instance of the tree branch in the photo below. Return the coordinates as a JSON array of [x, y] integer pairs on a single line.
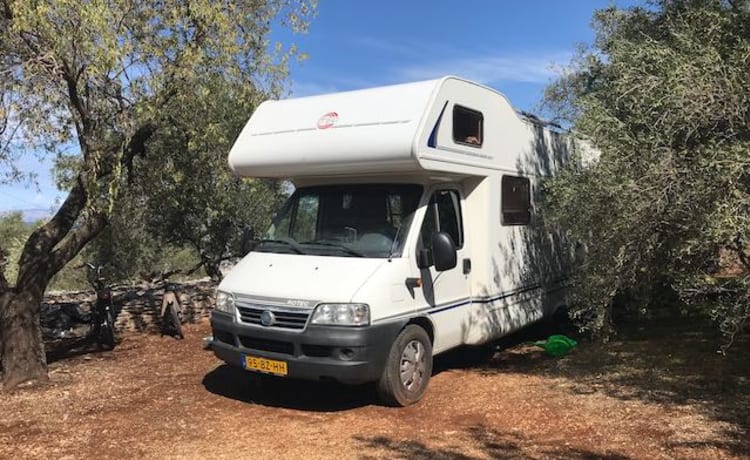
[[74, 242], [137, 146], [7, 12], [156, 279], [44, 239], [70, 76], [47, 236]]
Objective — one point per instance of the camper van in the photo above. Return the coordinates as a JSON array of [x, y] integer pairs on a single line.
[[413, 229]]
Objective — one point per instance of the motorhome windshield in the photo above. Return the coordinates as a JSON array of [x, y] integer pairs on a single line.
[[369, 220]]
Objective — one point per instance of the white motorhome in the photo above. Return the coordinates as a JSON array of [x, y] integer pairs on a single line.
[[413, 229]]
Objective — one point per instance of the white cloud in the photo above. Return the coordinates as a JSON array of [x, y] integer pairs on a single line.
[[389, 47], [325, 83], [40, 199], [538, 69], [409, 62], [310, 88]]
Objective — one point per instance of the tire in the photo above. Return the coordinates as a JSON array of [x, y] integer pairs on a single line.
[[107, 331], [412, 344], [175, 319]]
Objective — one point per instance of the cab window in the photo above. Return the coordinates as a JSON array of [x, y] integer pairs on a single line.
[[443, 215]]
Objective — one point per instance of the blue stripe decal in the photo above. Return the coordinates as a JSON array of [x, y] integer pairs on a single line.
[[485, 300], [449, 307], [431, 310], [432, 140]]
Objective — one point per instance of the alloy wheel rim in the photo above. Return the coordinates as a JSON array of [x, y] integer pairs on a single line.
[[413, 365]]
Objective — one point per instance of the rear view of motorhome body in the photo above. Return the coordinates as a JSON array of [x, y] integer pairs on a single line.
[[413, 229]]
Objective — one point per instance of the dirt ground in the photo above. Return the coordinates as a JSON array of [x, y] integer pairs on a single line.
[[663, 396]]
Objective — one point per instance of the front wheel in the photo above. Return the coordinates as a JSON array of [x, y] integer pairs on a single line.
[[408, 368], [107, 331]]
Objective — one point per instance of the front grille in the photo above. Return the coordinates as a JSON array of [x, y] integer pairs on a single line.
[[275, 346], [317, 351], [284, 318]]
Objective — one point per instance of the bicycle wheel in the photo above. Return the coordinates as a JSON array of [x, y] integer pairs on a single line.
[[107, 331], [173, 318]]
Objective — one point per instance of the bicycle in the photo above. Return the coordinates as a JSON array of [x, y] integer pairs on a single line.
[[171, 322], [102, 313]]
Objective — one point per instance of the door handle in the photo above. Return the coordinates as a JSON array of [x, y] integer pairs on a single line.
[[467, 266]]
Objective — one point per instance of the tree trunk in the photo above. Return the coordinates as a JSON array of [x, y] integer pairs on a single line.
[[22, 349], [22, 352]]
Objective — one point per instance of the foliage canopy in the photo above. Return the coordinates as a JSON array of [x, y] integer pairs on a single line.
[[664, 94], [92, 83]]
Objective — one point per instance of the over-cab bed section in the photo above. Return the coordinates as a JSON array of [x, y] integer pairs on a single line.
[[357, 132]]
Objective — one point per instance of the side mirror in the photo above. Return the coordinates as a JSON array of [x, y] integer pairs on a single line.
[[443, 252], [248, 240]]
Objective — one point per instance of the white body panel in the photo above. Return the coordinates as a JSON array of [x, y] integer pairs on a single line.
[[403, 133], [378, 139]]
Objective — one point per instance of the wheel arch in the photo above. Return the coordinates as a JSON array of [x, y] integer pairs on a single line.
[[426, 324]]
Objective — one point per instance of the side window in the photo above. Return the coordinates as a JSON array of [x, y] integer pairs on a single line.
[[515, 200], [443, 215], [468, 126]]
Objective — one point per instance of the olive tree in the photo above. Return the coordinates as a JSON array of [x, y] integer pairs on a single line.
[[98, 79], [664, 94], [192, 199]]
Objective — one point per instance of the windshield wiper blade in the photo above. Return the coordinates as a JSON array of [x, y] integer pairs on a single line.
[[347, 249], [292, 244]]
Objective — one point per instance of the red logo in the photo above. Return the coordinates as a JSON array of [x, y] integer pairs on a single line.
[[328, 120]]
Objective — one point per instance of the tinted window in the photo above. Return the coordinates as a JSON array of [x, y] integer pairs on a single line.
[[515, 200], [467, 126], [443, 215]]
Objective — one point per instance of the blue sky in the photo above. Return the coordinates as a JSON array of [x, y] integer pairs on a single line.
[[515, 47]]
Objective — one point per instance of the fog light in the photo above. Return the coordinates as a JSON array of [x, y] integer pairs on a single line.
[[346, 354]]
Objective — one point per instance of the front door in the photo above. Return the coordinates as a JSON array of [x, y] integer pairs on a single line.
[[447, 292]]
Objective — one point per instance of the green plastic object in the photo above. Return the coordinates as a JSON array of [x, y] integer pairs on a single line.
[[556, 345]]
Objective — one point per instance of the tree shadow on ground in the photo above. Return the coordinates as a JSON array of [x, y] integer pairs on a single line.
[[482, 357], [235, 383], [486, 441], [71, 348], [669, 361]]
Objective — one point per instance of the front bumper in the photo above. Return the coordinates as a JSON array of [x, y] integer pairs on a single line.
[[344, 354]]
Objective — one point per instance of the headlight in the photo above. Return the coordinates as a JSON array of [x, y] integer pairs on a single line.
[[225, 302], [342, 314]]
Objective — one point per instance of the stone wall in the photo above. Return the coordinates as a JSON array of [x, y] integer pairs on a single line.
[[138, 307]]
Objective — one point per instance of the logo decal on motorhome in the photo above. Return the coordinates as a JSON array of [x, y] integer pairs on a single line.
[[298, 303], [328, 120]]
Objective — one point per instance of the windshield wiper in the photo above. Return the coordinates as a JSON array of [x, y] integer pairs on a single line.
[[292, 244], [347, 249]]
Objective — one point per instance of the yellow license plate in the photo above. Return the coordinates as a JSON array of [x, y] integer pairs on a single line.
[[266, 365]]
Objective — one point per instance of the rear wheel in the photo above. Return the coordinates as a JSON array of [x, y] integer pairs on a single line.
[[107, 331], [174, 316], [408, 368], [171, 324]]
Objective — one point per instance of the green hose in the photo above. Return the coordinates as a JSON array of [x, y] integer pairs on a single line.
[[556, 345]]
